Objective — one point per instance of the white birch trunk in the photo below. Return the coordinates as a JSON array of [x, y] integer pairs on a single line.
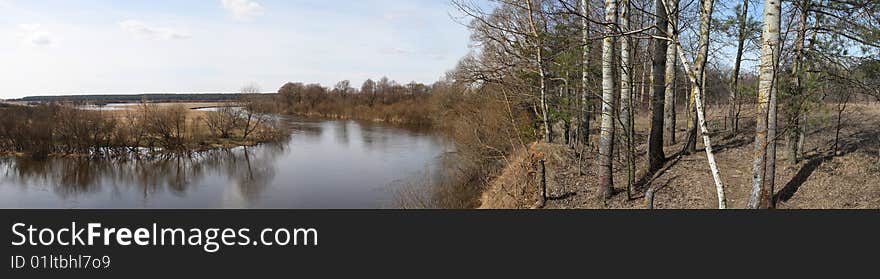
[[606, 141], [539, 61], [707, 141], [696, 78], [586, 111], [626, 94], [625, 69], [767, 80], [671, 73]]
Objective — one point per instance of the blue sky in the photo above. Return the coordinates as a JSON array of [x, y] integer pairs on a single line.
[[136, 46]]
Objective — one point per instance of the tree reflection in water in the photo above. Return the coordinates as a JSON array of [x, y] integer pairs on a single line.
[[250, 169]]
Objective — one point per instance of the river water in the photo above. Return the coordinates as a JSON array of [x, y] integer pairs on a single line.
[[324, 164]]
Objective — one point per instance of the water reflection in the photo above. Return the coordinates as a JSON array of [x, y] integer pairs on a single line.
[[109, 107], [173, 174], [325, 164]]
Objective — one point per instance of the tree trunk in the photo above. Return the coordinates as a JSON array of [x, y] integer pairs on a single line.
[[696, 77], [539, 60], [841, 107], [626, 96], [545, 114], [734, 102], [671, 71], [656, 155], [586, 105], [644, 95], [767, 81], [795, 104], [690, 146], [606, 140], [710, 153], [770, 173]]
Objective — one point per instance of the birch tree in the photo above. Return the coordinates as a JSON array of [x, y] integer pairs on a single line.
[[626, 94], [671, 71], [761, 195], [696, 77], [539, 65], [586, 105], [690, 141], [516, 51], [606, 140]]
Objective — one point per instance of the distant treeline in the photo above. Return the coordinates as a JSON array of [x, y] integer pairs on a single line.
[[384, 100], [218, 97]]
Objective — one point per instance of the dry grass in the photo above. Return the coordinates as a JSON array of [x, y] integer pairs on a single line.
[[197, 128]]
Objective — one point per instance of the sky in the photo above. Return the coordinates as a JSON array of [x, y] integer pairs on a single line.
[[66, 47]]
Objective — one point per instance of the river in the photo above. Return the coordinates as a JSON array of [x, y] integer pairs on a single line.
[[325, 164]]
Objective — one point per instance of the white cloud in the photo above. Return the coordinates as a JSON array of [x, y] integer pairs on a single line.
[[41, 39], [243, 10], [395, 51], [29, 27], [145, 31], [35, 35]]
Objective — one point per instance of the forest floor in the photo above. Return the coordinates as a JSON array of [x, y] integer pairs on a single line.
[[846, 179]]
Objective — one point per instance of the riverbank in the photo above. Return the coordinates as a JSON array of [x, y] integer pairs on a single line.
[[388, 119], [407, 112], [848, 178]]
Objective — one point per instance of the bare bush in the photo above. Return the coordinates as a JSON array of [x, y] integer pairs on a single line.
[[222, 122], [167, 125]]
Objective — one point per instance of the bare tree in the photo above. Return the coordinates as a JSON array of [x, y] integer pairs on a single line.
[[342, 88], [251, 115], [734, 99], [761, 196], [134, 130], [165, 124], [794, 108], [222, 122], [671, 73], [606, 140], [696, 75], [626, 95], [539, 65], [656, 155], [586, 105]]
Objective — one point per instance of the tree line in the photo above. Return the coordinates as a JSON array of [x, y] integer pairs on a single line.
[[382, 100], [561, 65]]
